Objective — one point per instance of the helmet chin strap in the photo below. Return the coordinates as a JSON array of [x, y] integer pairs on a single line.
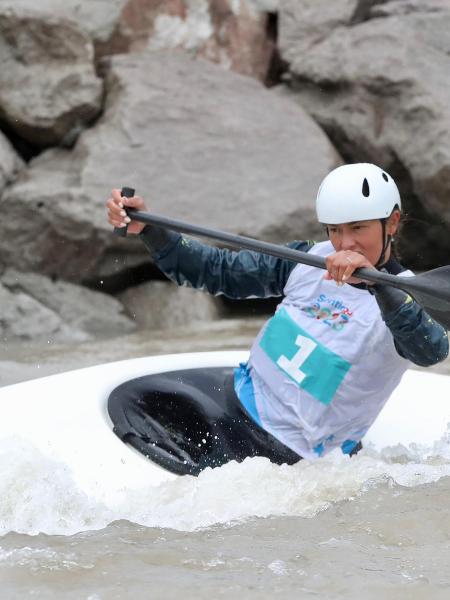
[[386, 243]]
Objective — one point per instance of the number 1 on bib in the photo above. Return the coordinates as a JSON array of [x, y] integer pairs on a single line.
[[292, 366]]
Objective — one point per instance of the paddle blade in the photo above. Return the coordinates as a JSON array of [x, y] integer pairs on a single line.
[[432, 291]]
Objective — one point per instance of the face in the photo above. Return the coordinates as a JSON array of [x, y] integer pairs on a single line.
[[364, 237]]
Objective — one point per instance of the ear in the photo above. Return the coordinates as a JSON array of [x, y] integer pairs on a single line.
[[393, 222]]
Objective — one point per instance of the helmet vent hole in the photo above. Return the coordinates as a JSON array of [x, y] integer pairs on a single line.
[[365, 188], [385, 177]]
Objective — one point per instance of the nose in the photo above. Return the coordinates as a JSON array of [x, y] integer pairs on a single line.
[[347, 240]]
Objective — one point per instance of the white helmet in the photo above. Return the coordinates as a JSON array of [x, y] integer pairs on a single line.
[[358, 192]]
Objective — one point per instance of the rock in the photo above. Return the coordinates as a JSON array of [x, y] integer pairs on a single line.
[[48, 86], [304, 23], [199, 143], [234, 34], [52, 240], [114, 26], [10, 162], [161, 305], [382, 101], [60, 311], [100, 19], [24, 318]]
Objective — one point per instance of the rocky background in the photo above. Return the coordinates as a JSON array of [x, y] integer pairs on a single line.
[[227, 113]]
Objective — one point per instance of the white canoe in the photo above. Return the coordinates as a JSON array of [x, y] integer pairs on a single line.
[[65, 417]]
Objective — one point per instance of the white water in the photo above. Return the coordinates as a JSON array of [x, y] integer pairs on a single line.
[[39, 495]]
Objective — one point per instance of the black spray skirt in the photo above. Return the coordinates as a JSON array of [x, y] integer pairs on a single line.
[[188, 420]]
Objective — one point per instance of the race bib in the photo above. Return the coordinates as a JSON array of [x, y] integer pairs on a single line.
[[302, 358]]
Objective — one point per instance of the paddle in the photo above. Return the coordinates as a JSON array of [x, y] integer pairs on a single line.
[[430, 289]]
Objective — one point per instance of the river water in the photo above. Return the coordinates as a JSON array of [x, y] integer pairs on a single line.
[[376, 525]]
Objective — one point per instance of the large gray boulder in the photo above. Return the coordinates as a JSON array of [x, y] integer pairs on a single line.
[[24, 318], [162, 305], [377, 80], [100, 19], [48, 86], [199, 143], [36, 308]]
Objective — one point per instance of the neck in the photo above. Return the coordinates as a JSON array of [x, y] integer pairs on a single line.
[[385, 256]]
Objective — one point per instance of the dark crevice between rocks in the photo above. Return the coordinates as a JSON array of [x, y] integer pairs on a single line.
[[24, 149], [117, 282], [363, 10], [102, 66], [423, 242], [27, 150], [296, 83], [277, 66], [71, 137]]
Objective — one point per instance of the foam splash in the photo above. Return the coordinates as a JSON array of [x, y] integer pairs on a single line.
[[38, 494]]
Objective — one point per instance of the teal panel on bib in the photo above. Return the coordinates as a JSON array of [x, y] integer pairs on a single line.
[[302, 358]]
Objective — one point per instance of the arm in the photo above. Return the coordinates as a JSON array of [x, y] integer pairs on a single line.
[[237, 275], [417, 336], [188, 262]]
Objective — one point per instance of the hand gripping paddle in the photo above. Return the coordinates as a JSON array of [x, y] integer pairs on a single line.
[[125, 192]]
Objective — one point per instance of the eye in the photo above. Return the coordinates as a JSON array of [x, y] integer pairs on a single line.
[[385, 177]]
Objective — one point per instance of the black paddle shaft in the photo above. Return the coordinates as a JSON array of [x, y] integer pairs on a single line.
[[430, 289]]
